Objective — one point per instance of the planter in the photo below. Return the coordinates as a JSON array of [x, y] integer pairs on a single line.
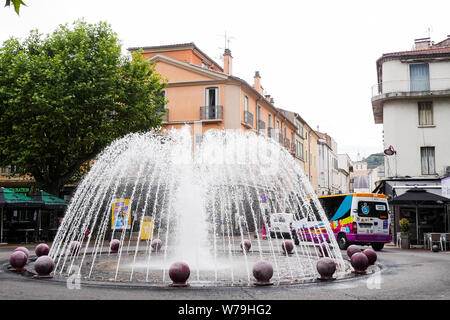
[[405, 241]]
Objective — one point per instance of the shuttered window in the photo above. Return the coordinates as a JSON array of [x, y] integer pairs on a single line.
[[425, 113], [427, 160], [419, 76]]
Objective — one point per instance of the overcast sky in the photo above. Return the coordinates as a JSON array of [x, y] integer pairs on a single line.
[[316, 58]]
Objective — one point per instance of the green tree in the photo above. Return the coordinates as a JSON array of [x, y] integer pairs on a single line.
[[16, 3], [66, 96]]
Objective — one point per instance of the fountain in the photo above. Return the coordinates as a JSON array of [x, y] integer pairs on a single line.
[[200, 201]]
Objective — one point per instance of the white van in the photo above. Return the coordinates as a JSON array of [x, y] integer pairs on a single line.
[[280, 225]]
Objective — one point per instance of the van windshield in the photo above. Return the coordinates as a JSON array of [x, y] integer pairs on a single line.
[[372, 209]]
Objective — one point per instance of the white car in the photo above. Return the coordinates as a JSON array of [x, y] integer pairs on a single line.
[[280, 225]]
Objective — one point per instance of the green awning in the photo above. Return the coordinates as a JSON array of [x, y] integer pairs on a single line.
[[9, 198], [49, 201]]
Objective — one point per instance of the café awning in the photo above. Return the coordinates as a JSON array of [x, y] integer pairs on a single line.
[[419, 195], [49, 201], [10, 199]]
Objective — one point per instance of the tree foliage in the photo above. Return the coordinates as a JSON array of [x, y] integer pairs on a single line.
[[16, 3], [65, 96]]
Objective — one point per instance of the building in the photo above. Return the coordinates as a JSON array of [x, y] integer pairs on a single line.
[[205, 95], [360, 177], [412, 101], [328, 173], [305, 146], [345, 168]]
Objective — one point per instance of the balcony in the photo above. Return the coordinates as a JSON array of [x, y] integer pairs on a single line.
[[248, 119], [261, 127], [287, 143], [211, 113], [410, 87], [407, 89]]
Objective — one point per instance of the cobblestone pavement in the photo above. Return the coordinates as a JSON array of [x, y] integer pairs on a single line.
[[405, 274]]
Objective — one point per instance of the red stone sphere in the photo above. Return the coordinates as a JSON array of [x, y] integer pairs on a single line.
[[156, 244], [23, 249], [246, 245], [263, 272], [179, 272], [351, 250], [43, 266], [323, 250], [75, 247], [359, 262], [18, 260], [371, 256], [326, 268], [287, 246], [42, 250], [114, 245]]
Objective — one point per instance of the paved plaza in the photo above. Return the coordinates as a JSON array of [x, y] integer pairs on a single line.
[[404, 274]]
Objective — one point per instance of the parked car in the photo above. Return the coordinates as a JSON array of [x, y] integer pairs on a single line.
[[280, 225]]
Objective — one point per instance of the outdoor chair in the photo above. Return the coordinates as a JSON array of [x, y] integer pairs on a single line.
[[399, 240], [435, 238], [445, 237]]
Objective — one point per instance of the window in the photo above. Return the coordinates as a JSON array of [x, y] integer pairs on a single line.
[[419, 76], [245, 103], [211, 102], [425, 113], [212, 96], [427, 160], [299, 149], [4, 171], [258, 116]]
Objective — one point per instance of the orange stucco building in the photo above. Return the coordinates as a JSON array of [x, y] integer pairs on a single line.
[[206, 96]]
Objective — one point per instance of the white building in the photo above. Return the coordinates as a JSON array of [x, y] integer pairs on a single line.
[[328, 173], [412, 101], [345, 167]]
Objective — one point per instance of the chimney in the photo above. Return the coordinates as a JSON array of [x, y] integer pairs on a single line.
[[227, 61], [422, 43], [271, 101], [267, 96], [257, 83]]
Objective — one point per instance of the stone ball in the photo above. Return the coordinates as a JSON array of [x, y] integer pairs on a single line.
[[42, 249], [324, 250], [287, 246], [371, 256], [114, 245], [44, 265], [435, 248], [246, 245], [18, 260], [156, 244], [359, 262], [326, 268], [263, 272], [23, 249], [179, 272], [351, 250]]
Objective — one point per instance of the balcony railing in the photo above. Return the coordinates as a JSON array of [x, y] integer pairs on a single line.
[[211, 113], [411, 86], [248, 118]]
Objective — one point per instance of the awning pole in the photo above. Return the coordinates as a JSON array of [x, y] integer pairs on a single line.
[[417, 222], [1, 227]]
